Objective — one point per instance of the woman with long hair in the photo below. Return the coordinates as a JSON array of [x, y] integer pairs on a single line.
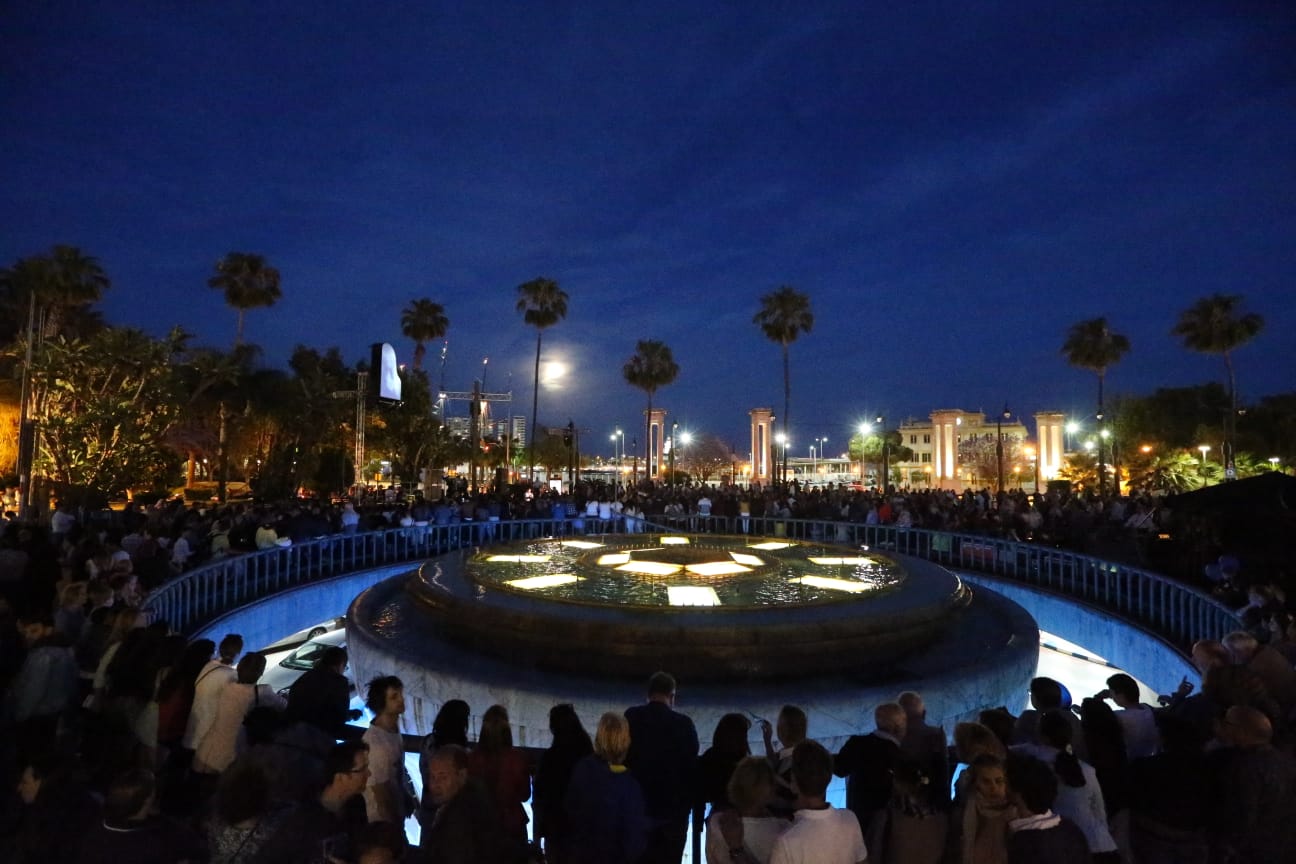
[[503, 770], [1079, 797], [571, 743]]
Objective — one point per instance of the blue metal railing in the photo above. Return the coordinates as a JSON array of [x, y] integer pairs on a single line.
[[1177, 613]]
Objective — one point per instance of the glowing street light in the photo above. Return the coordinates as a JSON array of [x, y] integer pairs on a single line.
[[864, 430], [783, 442], [1204, 449], [1071, 428], [1273, 461]]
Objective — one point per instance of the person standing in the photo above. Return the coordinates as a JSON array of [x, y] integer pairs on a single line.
[[820, 833], [384, 794], [663, 758]]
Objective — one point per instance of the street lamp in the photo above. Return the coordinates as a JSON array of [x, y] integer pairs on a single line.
[[886, 451], [864, 430], [999, 444], [1273, 461], [1204, 449], [618, 453], [816, 450], [674, 432], [1033, 455], [783, 457]]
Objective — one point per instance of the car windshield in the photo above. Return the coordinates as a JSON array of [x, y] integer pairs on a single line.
[[305, 656]]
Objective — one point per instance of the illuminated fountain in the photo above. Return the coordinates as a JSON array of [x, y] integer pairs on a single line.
[[741, 621]]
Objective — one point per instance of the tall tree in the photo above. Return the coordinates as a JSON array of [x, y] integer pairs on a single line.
[[423, 321], [784, 315], [1217, 325], [109, 402], [248, 281], [653, 366], [542, 304], [1093, 346], [64, 283]]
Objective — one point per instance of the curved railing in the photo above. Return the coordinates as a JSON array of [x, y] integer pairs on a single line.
[[1177, 613]]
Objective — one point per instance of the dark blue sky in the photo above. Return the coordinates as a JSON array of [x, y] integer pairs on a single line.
[[953, 184]]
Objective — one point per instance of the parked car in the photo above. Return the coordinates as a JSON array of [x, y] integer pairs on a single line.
[[282, 675], [313, 632]]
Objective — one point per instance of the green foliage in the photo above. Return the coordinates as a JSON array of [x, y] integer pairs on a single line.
[[105, 405], [408, 432]]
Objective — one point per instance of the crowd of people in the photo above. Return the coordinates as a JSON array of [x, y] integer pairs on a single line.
[[121, 741]]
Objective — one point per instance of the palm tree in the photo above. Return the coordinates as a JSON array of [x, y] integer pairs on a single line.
[[784, 315], [63, 284], [423, 321], [652, 366], [542, 304], [1217, 325], [1092, 345], [248, 281]]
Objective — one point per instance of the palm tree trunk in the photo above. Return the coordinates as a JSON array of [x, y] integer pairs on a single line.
[[419, 351], [648, 464], [787, 409], [1230, 429], [535, 404], [238, 331]]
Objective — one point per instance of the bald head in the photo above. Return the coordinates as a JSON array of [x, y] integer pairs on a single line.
[[1244, 726], [913, 705], [890, 717], [1208, 653]]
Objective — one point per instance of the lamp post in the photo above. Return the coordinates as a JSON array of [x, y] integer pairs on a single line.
[[864, 430], [999, 445], [1273, 462], [618, 454], [1102, 470], [886, 451], [674, 431], [1204, 449], [816, 451], [1033, 455], [1071, 428], [783, 460]]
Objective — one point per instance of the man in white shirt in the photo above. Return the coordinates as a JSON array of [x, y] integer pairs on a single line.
[[207, 687], [820, 833], [1138, 723]]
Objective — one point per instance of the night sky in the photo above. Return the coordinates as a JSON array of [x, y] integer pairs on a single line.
[[953, 184]]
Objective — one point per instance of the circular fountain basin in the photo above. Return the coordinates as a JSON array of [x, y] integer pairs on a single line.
[[727, 608]]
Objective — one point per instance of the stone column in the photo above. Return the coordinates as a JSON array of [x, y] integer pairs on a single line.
[[762, 439], [946, 426], [656, 441], [1049, 428]]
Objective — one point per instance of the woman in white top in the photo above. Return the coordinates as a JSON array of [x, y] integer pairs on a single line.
[[749, 827], [385, 795], [225, 739], [1079, 796]]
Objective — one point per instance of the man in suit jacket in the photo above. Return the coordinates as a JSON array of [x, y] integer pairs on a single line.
[[663, 758], [867, 763]]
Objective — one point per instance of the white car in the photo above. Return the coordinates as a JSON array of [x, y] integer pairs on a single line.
[[282, 674], [313, 632]]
